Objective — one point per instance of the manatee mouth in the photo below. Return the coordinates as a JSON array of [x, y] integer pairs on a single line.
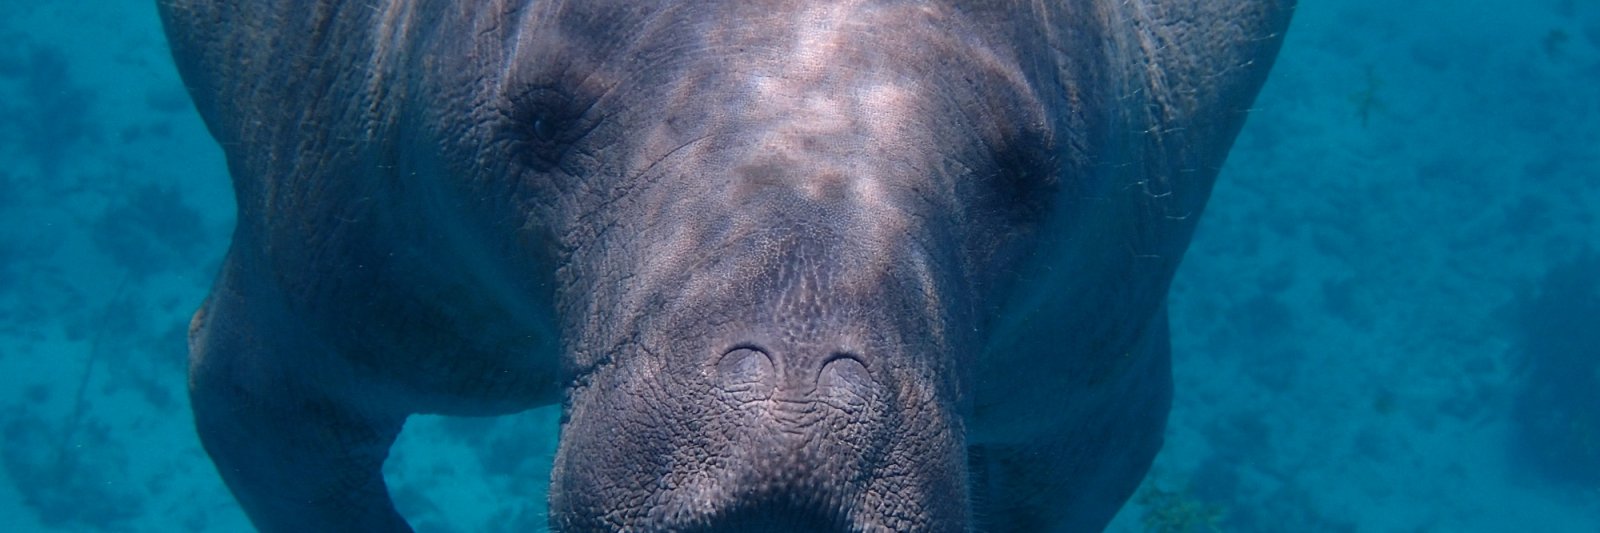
[[771, 517]]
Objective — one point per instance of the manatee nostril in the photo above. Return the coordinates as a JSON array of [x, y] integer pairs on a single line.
[[747, 372], [845, 377]]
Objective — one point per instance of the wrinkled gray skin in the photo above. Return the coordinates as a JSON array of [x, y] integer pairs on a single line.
[[801, 266]]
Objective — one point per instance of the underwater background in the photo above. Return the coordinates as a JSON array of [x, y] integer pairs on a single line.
[[1389, 319]]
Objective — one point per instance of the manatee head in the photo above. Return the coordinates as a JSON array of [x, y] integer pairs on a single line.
[[771, 235]]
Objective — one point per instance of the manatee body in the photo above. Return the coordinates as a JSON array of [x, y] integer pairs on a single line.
[[787, 266]]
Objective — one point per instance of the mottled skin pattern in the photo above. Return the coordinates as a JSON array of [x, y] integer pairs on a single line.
[[809, 266]]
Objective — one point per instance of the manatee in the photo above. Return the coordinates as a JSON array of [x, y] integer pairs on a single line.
[[786, 266]]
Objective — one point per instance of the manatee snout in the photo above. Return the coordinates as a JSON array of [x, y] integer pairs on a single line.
[[788, 391], [761, 442]]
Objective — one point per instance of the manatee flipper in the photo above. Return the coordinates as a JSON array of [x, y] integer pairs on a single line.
[[1073, 391], [301, 448], [1074, 477]]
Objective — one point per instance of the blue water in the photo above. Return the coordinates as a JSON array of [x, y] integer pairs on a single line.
[[1389, 321]]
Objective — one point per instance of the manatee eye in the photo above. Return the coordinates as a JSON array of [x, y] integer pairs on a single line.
[[541, 127], [538, 123], [1028, 180]]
